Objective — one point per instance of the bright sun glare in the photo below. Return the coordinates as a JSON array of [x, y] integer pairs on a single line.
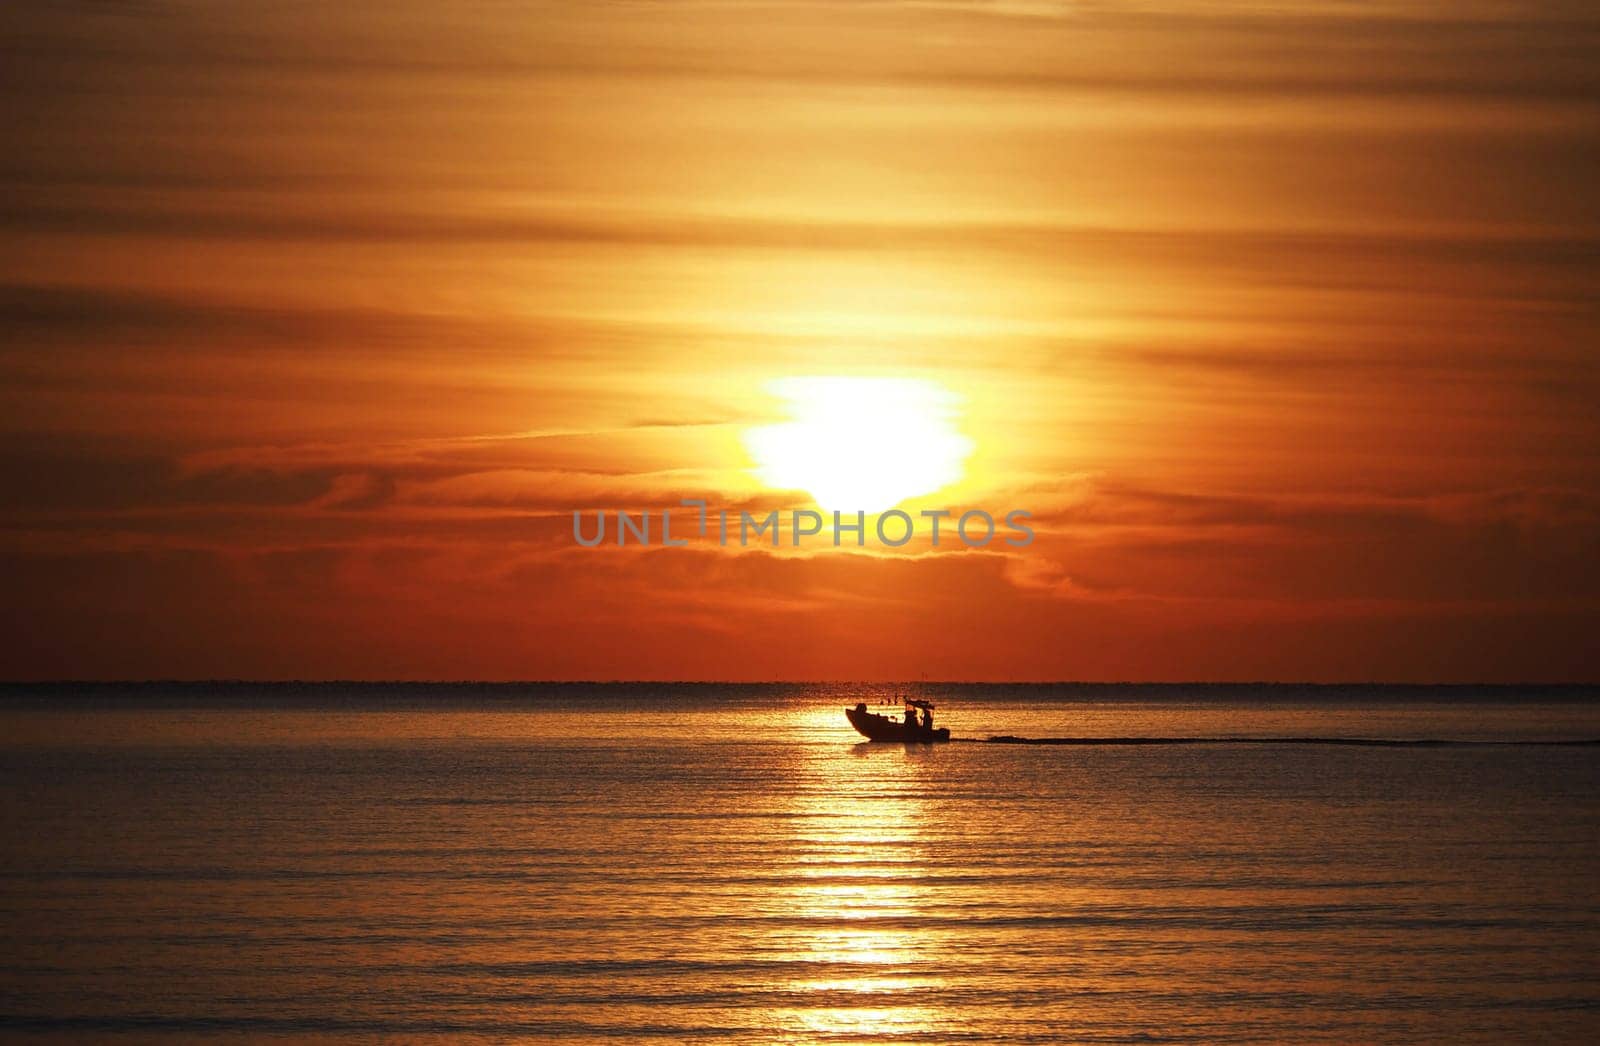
[[862, 444]]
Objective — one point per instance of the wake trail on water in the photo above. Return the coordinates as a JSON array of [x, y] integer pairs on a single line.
[[1357, 742]]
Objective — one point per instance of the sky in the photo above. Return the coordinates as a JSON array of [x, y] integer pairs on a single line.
[[318, 323]]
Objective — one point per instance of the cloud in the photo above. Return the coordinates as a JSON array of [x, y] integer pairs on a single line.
[[1280, 317], [390, 611], [1265, 49], [1316, 552]]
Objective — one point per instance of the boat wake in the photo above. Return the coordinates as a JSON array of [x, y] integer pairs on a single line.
[[1359, 742]]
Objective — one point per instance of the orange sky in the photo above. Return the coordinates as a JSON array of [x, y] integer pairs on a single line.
[[319, 321]]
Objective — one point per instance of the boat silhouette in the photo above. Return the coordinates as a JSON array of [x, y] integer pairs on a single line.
[[875, 727]]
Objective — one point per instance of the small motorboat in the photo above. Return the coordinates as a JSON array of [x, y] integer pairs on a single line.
[[908, 730]]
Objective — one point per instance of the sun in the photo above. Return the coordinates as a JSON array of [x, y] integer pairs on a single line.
[[861, 444]]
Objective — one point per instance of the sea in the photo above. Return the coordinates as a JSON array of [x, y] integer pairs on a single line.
[[645, 862]]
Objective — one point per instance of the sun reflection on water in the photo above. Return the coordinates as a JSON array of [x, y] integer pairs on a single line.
[[860, 887]]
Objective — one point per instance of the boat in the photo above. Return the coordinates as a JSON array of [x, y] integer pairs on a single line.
[[875, 727]]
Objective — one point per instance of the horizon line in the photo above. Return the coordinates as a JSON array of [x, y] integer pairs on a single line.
[[293, 681]]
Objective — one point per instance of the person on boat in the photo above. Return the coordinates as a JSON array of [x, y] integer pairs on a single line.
[[927, 719], [911, 718], [861, 706]]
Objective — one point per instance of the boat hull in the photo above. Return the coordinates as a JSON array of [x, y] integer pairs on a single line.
[[875, 727]]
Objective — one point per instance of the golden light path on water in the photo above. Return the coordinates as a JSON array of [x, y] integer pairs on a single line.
[[859, 887]]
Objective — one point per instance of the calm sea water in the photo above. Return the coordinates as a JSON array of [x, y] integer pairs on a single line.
[[727, 863]]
